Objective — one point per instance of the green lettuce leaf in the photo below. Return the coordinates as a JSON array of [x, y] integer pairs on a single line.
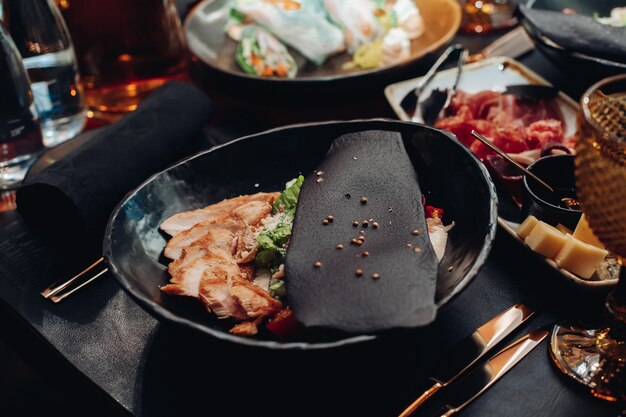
[[277, 288], [289, 198], [272, 242]]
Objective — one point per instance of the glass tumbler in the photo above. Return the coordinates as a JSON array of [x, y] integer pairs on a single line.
[[482, 16], [126, 49]]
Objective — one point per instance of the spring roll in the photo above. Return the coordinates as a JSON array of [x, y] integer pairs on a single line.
[[260, 53], [299, 24], [408, 18], [396, 47], [358, 20]]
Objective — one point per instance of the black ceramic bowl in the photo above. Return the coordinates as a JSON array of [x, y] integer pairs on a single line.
[[566, 56], [558, 172], [448, 172]]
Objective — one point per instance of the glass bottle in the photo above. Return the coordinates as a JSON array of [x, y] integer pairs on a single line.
[[40, 34], [20, 134]]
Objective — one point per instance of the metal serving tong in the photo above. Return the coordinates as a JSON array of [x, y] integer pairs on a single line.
[[57, 291], [438, 99], [411, 103]]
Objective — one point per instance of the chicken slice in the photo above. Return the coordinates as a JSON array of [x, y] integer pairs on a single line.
[[187, 279], [216, 296], [183, 221], [246, 328], [252, 213], [247, 245], [254, 301], [190, 254], [206, 234]]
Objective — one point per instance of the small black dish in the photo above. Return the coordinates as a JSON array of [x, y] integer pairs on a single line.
[[449, 174], [558, 172]]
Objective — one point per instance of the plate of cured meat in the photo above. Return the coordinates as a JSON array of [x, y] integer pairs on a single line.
[[494, 99], [334, 40], [307, 236]]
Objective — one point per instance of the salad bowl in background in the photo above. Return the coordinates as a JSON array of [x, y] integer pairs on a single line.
[[450, 177], [597, 59]]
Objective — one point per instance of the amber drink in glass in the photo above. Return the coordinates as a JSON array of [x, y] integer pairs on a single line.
[[125, 50]]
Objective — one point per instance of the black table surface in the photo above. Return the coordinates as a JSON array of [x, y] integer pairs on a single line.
[[100, 344]]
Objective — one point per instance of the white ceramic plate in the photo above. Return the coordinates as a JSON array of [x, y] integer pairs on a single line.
[[495, 74]]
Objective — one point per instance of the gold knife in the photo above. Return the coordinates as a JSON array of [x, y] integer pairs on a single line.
[[471, 349], [480, 379]]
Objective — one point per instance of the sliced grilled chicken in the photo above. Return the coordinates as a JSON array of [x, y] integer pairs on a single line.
[[183, 221], [251, 213], [245, 328], [246, 245], [207, 234], [216, 296], [188, 276], [254, 301], [212, 258]]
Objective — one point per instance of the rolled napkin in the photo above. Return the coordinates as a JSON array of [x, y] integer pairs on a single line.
[[77, 194], [368, 185], [577, 33]]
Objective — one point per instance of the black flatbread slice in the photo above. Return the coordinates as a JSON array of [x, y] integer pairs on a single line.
[[374, 165]]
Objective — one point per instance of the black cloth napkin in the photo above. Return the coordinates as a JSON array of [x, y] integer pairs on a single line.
[[578, 33], [375, 166], [76, 195]]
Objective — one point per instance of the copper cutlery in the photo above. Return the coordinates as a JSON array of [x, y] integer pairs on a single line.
[[56, 292], [480, 379], [471, 349]]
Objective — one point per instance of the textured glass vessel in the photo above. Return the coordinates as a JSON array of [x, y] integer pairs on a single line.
[[597, 358]]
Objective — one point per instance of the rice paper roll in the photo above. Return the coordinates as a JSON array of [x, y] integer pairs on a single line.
[[299, 24], [408, 18], [261, 53], [358, 20], [396, 47]]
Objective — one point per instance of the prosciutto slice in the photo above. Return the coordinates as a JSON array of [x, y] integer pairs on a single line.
[[515, 125]]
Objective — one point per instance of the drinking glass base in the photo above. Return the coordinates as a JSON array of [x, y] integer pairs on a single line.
[[13, 172], [109, 104], [592, 358], [57, 131]]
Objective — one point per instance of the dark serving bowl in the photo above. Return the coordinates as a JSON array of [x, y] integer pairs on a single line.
[[567, 56], [449, 175]]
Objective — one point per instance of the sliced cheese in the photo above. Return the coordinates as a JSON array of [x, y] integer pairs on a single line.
[[583, 232], [563, 229], [579, 257], [527, 226], [545, 239]]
